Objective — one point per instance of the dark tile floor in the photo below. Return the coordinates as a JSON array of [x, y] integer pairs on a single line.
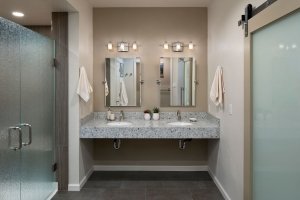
[[146, 186]]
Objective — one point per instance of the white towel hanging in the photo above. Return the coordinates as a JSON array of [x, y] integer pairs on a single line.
[[123, 93], [106, 88], [217, 89], [84, 88]]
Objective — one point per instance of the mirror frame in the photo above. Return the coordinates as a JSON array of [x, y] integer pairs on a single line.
[[195, 82], [139, 81]]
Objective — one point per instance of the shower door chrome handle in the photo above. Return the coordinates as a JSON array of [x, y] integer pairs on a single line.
[[29, 134], [10, 130]]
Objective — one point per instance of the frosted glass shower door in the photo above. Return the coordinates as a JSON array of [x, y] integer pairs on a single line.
[[37, 110], [26, 113], [276, 110], [10, 168]]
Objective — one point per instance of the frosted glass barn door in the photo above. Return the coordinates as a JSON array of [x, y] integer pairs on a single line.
[[276, 110], [37, 114], [10, 167]]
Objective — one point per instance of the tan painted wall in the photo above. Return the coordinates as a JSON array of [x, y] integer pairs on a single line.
[[80, 53], [226, 48], [150, 27], [150, 152]]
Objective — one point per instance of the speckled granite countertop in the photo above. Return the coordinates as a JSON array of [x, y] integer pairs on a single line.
[[207, 127]]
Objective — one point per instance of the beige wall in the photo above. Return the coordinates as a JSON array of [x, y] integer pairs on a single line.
[[150, 152], [80, 54], [150, 27], [226, 48]]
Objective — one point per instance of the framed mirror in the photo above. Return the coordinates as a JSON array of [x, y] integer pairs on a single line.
[[177, 82], [122, 82]]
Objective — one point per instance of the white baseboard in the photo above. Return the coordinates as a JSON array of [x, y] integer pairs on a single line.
[[54, 192], [77, 187], [74, 187], [219, 185], [148, 168]]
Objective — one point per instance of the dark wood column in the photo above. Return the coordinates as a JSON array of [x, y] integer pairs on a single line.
[[60, 35], [43, 30]]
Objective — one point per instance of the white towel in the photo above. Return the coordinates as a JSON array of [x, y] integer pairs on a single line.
[[84, 88], [106, 88], [217, 89], [123, 93]]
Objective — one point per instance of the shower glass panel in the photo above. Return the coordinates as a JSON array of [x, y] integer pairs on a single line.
[[276, 110], [10, 92], [27, 103], [37, 109]]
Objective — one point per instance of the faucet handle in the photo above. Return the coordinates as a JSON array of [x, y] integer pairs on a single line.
[[122, 115], [178, 115]]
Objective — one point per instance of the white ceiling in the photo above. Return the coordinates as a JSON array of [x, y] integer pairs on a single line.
[[37, 12], [149, 3]]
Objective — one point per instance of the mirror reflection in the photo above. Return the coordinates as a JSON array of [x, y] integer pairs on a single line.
[[122, 84], [177, 82]]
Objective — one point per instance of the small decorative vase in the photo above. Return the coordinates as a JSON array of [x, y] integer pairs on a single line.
[[147, 116], [156, 116]]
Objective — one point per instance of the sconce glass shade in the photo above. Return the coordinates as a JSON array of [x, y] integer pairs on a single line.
[[123, 47], [177, 47], [109, 46], [166, 45], [134, 46], [191, 46]]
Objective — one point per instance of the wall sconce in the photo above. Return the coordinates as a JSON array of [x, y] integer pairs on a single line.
[[166, 45], [122, 46], [178, 46], [191, 46], [109, 46], [134, 46]]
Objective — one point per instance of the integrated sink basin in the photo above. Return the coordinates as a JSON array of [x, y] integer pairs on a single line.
[[180, 123], [119, 123]]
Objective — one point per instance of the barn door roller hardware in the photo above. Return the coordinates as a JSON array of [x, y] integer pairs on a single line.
[[250, 12]]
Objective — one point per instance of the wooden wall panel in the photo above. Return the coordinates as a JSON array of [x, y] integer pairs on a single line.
[[43, 30], [60, 35]]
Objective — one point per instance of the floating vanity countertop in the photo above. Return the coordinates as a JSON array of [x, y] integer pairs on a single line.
[[207, 127]]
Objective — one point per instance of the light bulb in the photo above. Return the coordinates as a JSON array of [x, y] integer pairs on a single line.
[[191, 46], [109, 46], [122, 46], [134, 46], [178, 46], [166, 45]]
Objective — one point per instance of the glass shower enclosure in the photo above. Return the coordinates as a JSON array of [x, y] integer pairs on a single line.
[[27, 96]]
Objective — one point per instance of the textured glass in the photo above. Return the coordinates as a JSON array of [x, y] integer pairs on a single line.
[[26, 96], [9, 109], [37, 109], [276, 110]]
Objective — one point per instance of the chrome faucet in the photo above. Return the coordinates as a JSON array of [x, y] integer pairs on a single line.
[[178, 115], [122, 115]]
